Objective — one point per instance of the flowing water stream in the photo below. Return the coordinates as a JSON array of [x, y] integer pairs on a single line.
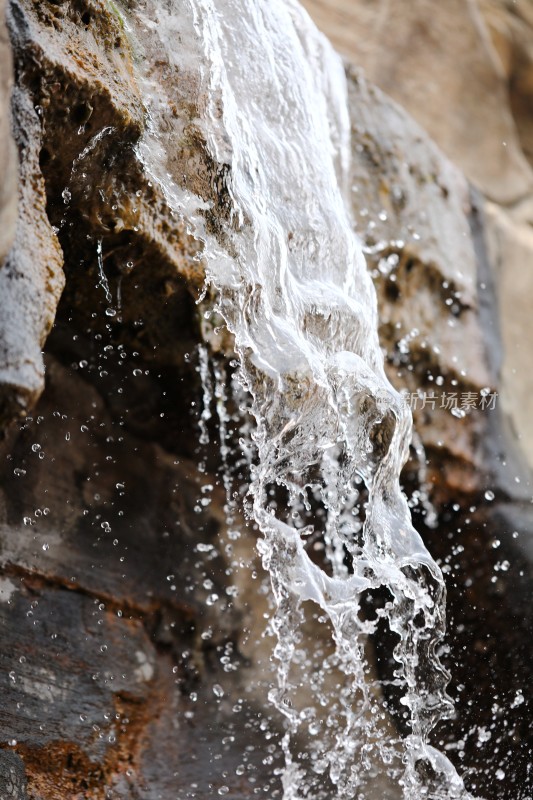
[[331, 434]]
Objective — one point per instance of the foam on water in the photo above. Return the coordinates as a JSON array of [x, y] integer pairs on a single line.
[[293, 288]]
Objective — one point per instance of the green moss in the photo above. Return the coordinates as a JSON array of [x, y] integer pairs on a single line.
[[115, 10]]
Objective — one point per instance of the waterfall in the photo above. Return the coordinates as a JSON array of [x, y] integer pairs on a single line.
[[331, 433]]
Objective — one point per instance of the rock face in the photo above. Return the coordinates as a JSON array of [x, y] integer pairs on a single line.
[[408, 199], [134, 664], [12, 776], [8, 159], [30, 257], [412, 50], [31, 278], [465, 72], [111, 559]]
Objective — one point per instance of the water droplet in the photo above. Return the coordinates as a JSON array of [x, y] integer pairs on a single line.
[[218, 691], [489, 495]]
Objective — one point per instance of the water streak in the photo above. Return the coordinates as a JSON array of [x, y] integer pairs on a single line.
[[331, 433]]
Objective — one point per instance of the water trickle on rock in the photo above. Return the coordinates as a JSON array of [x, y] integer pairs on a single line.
[[331, 434]]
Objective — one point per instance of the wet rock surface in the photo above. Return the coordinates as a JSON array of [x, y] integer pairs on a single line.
[[464, 71], [122, 676], [12, 776], [438, 323], [30, 257], [31, 278], [8, 155]]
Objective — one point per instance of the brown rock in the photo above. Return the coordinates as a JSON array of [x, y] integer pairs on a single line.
[[465, 72], [438, 325], [31, 279], [408, 199], [8, 153], [439, 63], [511, 28], [114, 530]]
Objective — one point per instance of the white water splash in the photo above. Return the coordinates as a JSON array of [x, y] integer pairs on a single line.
[[294, 290], [207, 393]]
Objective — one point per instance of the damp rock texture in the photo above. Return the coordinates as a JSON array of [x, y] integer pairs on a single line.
[[12, 776], [8, 158], [133, 663], [121, 668], [438, 324], [31, 277], [465, 73]]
